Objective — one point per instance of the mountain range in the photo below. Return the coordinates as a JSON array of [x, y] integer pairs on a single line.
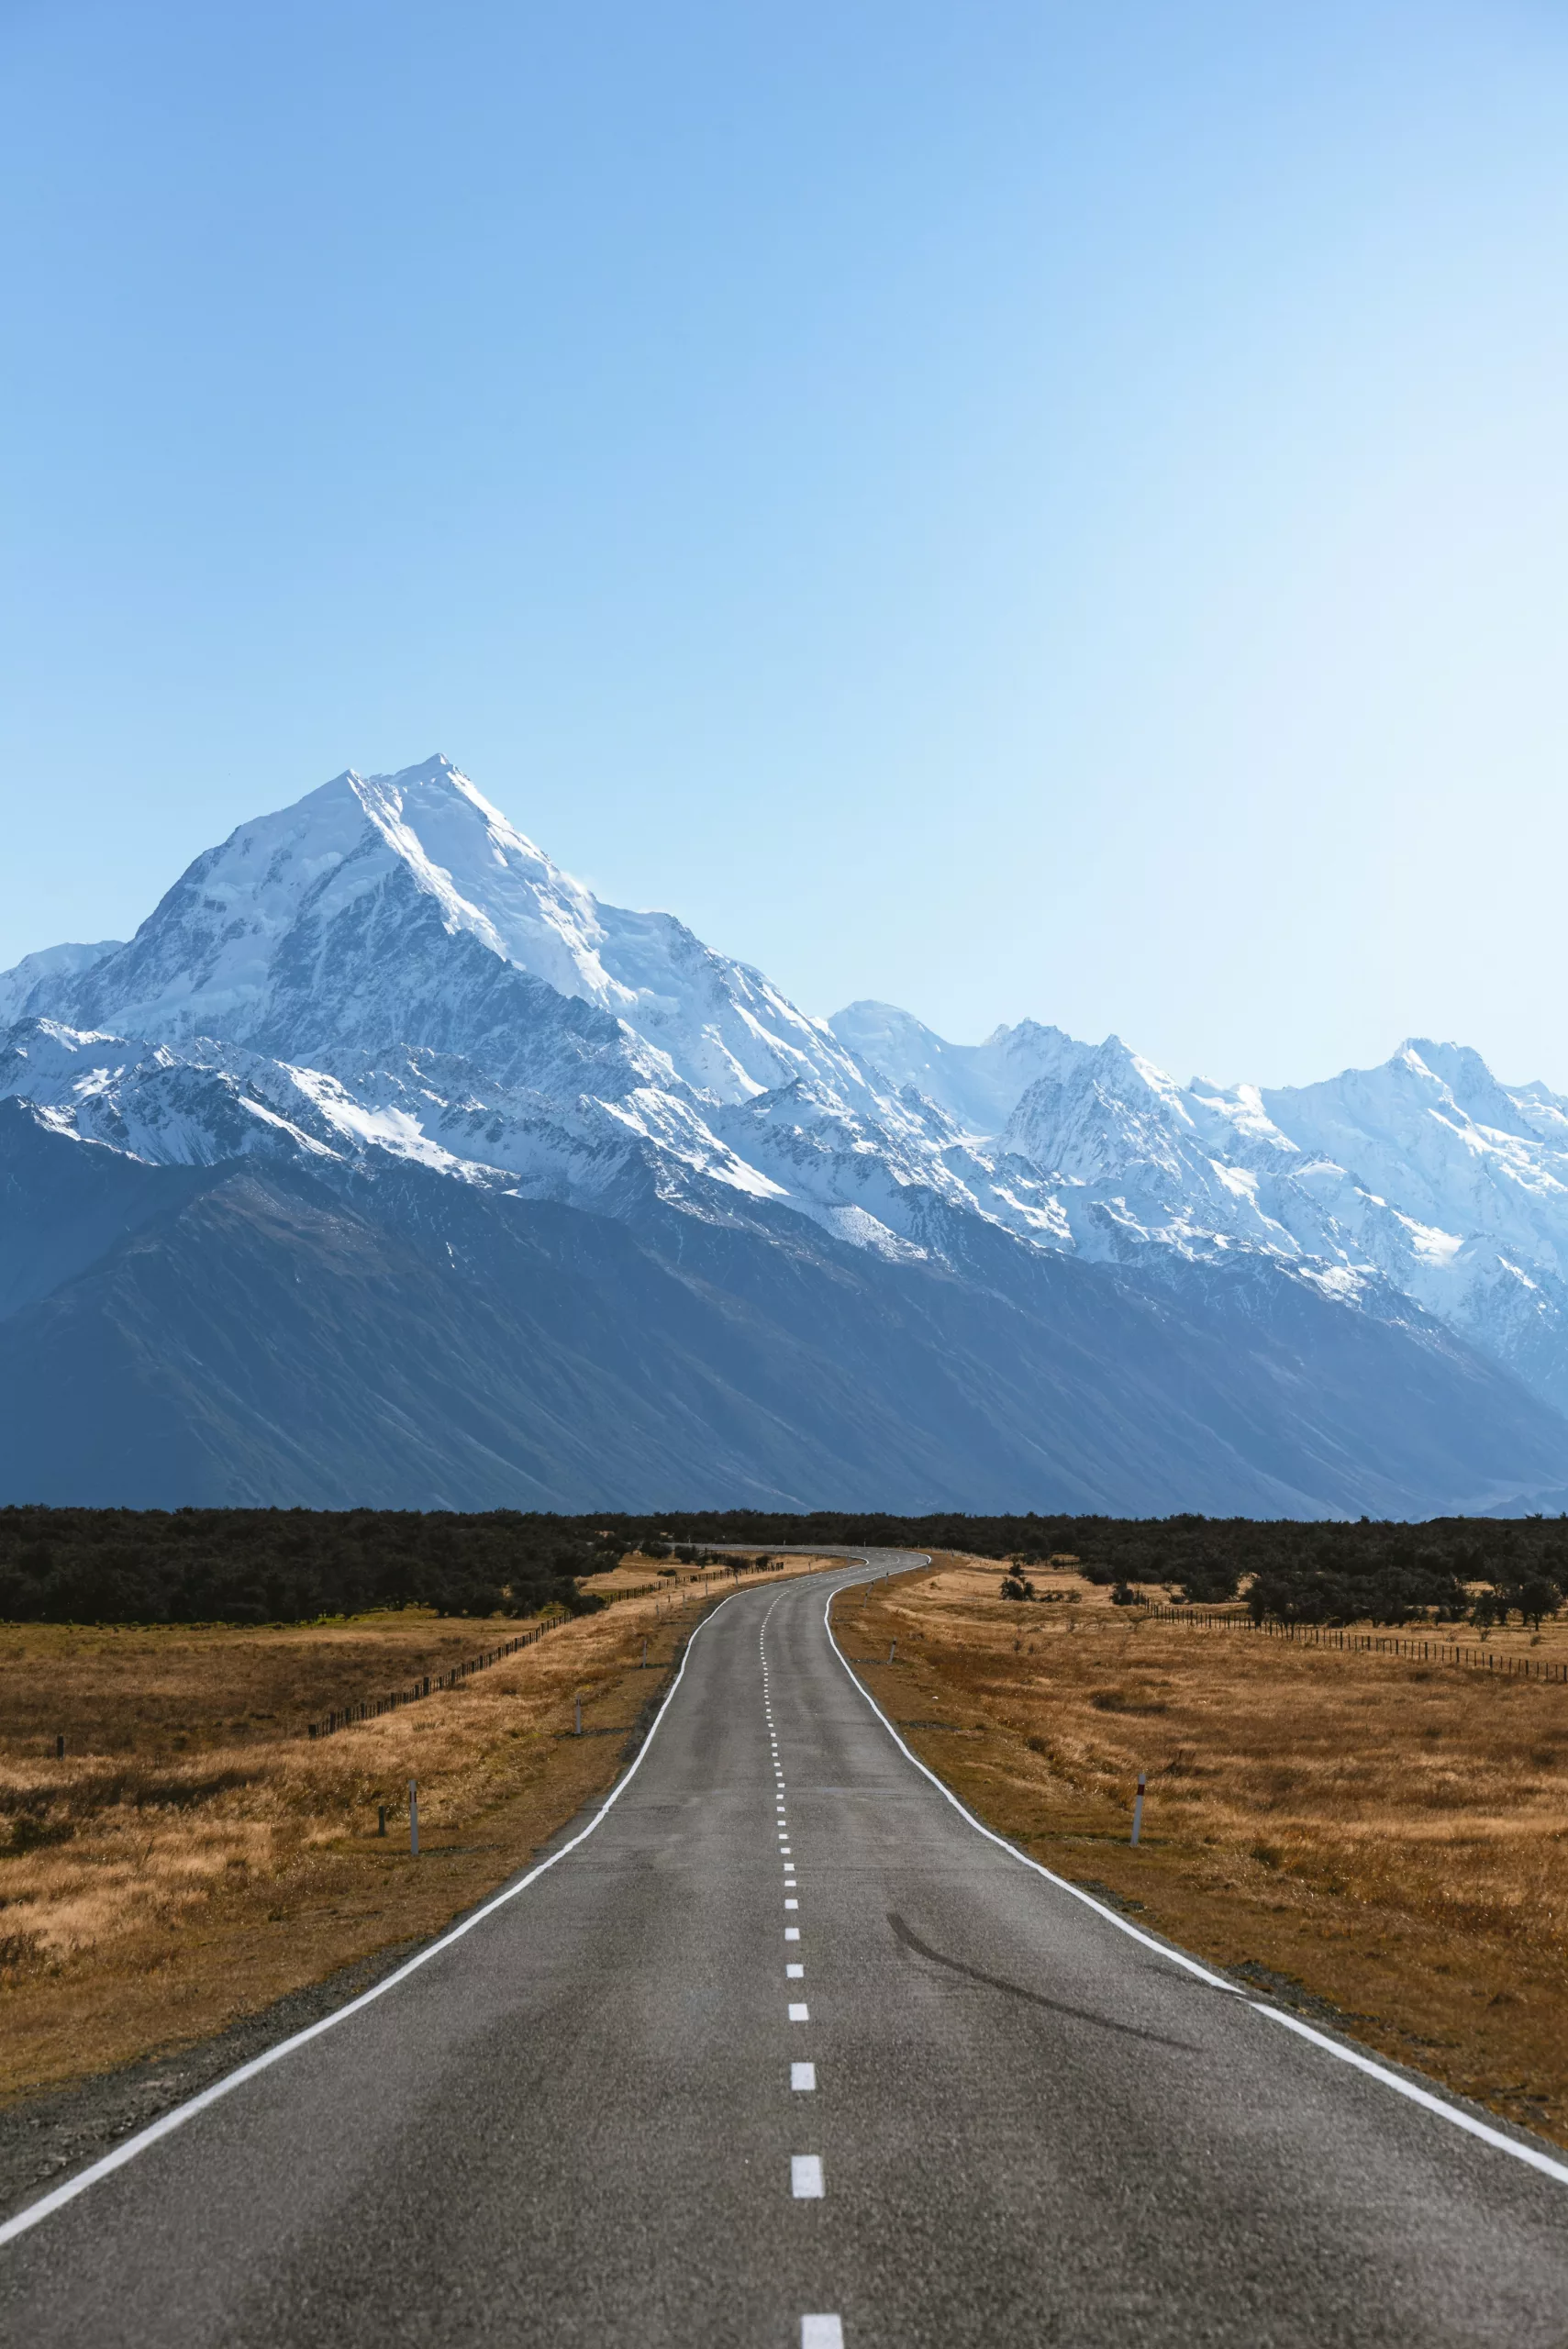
[[386, 1165]]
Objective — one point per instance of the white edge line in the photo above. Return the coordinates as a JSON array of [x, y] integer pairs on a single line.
[[170, 2121], [1424, 2097], [1408, 2088]]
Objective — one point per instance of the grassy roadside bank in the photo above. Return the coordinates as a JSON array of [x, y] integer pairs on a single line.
[[1374, 1840], [194, 1858]]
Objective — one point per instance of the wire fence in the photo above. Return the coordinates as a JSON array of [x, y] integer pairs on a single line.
[[370, 1708], [1320, 1635]]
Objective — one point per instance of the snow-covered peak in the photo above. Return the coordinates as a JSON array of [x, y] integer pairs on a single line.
[[1370, 1109], [205, 960], [327, 916], [1431, 1129], [1469, 1082], [36, 976], [1103, 1111], [489, 878], [979, 1086]]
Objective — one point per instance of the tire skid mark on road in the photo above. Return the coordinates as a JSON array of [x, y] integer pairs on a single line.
[[1409, 2089]]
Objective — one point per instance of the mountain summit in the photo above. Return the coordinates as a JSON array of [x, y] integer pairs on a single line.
[[320, 921], [387, 1161]]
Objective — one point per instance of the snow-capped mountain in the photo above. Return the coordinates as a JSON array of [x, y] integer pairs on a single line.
[[386, 987], [393, 948], [34, 973], [978, 1085], [1425, 1179], [380, 906]]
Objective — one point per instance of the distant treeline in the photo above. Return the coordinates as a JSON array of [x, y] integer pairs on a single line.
[[1484, 1569], [260, 1565], [289, 1565]]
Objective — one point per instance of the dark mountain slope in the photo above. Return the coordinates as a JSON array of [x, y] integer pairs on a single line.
[[64, 1205], [396, 1336]]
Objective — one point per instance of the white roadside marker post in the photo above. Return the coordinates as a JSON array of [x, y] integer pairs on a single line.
[[1138, 1808], [413, 1818]]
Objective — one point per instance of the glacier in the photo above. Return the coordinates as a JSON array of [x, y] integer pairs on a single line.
[[382, 1011]]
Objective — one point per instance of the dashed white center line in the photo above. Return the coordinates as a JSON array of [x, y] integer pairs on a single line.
[[821, 2332], [806, 2176], [803, 2076], [800, 2012], [792, 1903], [794, 1973], [792, 1932]]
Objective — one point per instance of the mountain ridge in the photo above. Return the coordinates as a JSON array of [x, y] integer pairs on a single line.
[[386, 984]]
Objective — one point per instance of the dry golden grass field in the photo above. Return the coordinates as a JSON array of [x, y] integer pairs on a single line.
[[1391, 1836], [196, 1856]]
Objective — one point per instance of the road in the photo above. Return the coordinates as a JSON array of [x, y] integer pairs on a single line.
[[980, 2113]]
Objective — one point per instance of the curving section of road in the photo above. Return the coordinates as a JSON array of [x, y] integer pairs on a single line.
[[781, 2049]]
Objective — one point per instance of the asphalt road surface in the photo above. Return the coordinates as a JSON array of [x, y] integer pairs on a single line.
[[786, 2052]]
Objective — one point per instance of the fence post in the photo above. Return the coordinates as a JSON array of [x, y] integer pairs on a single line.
[[1137, 1807]]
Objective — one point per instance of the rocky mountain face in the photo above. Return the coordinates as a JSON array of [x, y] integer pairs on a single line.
[[1424, 1180], [386, 1164]]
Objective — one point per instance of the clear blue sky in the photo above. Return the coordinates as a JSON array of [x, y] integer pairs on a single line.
[[1050, 509]]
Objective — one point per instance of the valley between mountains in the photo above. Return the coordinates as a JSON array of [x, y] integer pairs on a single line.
[[385, 1165]]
